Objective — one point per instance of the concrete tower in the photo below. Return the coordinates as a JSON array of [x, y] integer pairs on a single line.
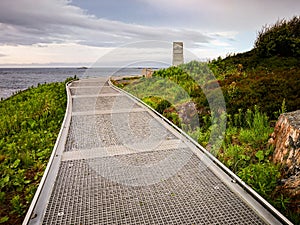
[[177, 53]]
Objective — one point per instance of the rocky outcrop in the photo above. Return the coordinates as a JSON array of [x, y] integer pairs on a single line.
[[286, 140]]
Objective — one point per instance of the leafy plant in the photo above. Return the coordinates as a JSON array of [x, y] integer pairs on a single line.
[[282, 202], [282, 109], [4, 219], [235, 157], [29, 124], [200, 135], [262, 177], [257, 130], [17, 205]]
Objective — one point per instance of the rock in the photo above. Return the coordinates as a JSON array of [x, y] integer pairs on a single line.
[[286, 140], [188, 114], [290, 188], [293, 183]]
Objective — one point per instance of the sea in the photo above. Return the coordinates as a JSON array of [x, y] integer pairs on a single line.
[[13, 80]]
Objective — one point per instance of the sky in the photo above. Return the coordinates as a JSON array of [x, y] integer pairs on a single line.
[[130, 32]]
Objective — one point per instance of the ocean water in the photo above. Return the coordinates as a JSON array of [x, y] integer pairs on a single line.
[[15, 79]]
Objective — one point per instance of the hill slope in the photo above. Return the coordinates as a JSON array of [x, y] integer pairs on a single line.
[[257, 86]]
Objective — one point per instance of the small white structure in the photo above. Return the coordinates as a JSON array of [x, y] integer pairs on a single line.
[[177, 53]]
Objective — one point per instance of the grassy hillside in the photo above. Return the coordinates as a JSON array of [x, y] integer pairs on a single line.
[[268, 74], [248, 80], [29, 124], [256, 86]]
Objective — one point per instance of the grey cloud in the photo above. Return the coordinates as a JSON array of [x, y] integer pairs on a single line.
[[225, 15], [29, 22]]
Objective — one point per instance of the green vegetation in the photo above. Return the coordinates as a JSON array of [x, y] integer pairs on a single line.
[[247, 80], [282, 39], [257, 87], [29, 124], [265, 76], [245, 151]]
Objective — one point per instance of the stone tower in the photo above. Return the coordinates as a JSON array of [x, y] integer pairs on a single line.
[[177, 53]]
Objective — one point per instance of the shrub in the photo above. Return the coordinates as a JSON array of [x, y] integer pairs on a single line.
[[282, 38]]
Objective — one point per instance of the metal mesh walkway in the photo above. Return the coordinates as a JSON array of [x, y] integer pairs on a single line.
[[122, 165]]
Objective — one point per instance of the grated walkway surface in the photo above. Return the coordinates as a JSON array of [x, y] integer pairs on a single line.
[[122, 165]]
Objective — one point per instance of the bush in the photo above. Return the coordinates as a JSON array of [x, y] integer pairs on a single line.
[[157, 103], [282, 38]]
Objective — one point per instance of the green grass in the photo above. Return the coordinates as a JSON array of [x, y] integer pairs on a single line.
[[29, 124]]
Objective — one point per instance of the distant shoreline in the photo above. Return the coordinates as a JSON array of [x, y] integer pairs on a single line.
[[13, 80]]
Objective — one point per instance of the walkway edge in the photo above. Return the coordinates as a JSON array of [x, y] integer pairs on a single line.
[[59, 145], [234, 177]]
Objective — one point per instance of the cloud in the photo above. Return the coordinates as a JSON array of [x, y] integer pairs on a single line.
[[57, 21], [223, 15], [53, 31], [51, 53]]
